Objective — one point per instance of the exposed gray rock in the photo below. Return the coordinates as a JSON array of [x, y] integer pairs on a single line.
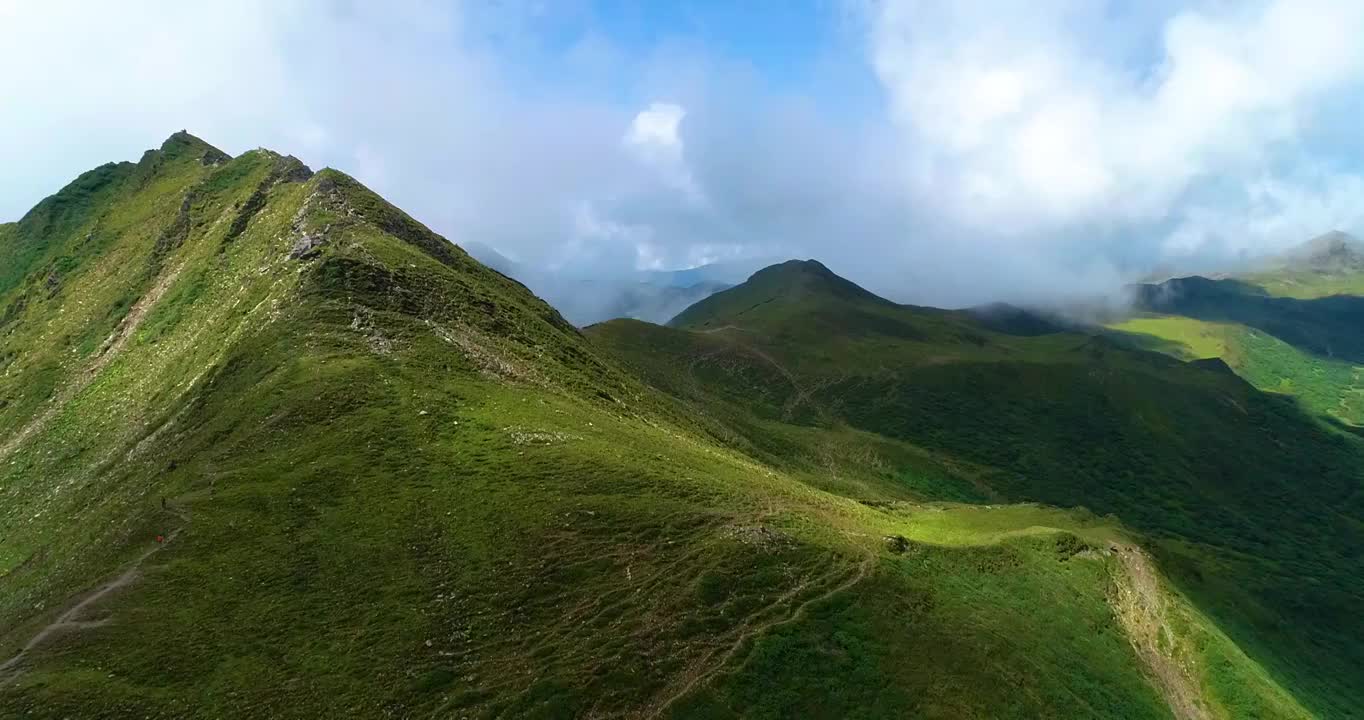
[[307, 246], [213, 156], [291, 169]]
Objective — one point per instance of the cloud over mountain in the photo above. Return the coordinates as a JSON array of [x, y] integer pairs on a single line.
[[938, 152]]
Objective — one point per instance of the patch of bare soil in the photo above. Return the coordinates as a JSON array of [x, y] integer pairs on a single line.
[[1143, 610]]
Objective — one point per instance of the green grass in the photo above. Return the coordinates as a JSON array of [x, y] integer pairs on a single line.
[[897, 648], [1191, 339], [65, 215], [1323, 385], [1308, 285]]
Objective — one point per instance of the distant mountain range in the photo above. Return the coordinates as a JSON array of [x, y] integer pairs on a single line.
[[652, 295], [1334, 253]]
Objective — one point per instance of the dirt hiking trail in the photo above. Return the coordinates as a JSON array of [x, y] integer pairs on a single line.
[[70, 620], [704, 671]]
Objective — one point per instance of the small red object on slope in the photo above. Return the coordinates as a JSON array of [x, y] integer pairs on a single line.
[[161, 538]]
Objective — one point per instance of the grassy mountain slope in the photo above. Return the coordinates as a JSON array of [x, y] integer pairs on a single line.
[[391, 482], [1292, 329], [1322, 326], [1253, 506], [1330, 264], [1324, 385]]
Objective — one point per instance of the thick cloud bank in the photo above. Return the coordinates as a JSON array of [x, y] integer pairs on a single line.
[[945, 153]]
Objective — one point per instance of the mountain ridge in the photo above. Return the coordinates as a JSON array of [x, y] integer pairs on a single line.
[[1331, 252], [395, 482]]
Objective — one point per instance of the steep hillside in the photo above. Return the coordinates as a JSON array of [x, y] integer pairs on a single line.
[[1252, 505], [1293, 329], [1326, 386], [268, 446]]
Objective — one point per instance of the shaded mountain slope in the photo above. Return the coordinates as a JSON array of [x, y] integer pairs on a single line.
[[1254, 506], [1324, 386], [392, 482], [1326, 327]]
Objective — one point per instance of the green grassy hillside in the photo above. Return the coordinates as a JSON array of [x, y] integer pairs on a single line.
[[1251, 504], [268, 446], [1292, 328], [1323, 385], [1331, 264], [1323, 326]]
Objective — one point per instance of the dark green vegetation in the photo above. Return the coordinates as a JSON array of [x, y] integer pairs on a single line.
[[397, 484], [1326, 326], [1251, 504], [1324, 386]]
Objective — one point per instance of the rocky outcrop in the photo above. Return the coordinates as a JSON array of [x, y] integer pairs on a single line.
[[287, 169]]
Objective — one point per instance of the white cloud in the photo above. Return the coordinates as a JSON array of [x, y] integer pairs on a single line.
[[1019, 118], [1273, 214], [612, 246], [655, 139], [654, 131]]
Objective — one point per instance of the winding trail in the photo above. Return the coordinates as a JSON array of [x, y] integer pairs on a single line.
[[70, 620], [802, 393], [704, 675]]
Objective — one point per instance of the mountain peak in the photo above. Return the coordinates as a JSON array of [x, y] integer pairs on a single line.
[[183, 144], [805, 283], [1334, 238], [811, 277], [796, 268], [1335, 251]]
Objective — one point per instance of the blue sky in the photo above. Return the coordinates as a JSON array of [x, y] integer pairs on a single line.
[[778, 37], [805, 47], [939, 152], [781, 39]]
